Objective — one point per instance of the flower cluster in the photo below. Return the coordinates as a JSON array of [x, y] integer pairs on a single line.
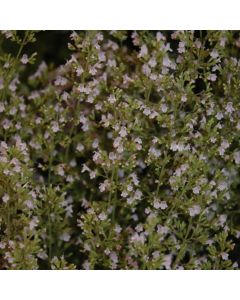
[[125, 157]]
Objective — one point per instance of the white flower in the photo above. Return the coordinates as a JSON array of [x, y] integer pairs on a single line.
[[55, 127], [130, 200], [60, 170], [92, 70], [222, 219], [101, 56], [120, 149], [124, 194], [5, 198], [17, 169], [160, 204], [224, 145], [65, 237], [237, 157], [223, 41], [95, 143], [118, 229], [104, 186], [153, 115], [29, 204], [195, 210], [179, 146], [212, 77], [24, 59], [146, 70], [235, 265], [146, 111], [156, 254], [79, 71], [33, 223], [224, 256], [102, 216], [129, 188], [219, 115], [83, 119], [138, 238], [73, 163], [42, 254], [114, 257], [174, 146], [85, 168], [184, 99], [229, 108], [138, 140], [138, 195], [112, 99], [164, 108], [152, 62], [154, 152], [112, 156], [222, 186], [143, 51], [167, 261], [13, 84], [111, 63], [99, 36], [135, 179], [163, 205], [79, 147], [61, 81], [160, 36], [214, 54], [181, 47], [123, 131], [117, 142], [196, 190], [166, 61]]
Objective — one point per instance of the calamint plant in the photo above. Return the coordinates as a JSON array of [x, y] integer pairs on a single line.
[[124, 157]]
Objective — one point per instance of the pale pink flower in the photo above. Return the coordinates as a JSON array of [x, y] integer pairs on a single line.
[[65, 237], [196, 190], [212, 77], [237, 157], [143, 51], [123, 131], [194, 211], [214, 54], [112, 99], [102, 216], [225, 256], [5, 198], [79, 71], [24, 59], [79, 147]]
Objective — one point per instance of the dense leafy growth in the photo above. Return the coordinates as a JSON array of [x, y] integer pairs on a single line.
[[125, 157]]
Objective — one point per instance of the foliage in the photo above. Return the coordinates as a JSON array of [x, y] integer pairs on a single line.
[[125, 157]]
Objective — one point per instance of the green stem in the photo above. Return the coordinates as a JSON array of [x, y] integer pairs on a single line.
[[182, 249], [115, 197], [165, 161]]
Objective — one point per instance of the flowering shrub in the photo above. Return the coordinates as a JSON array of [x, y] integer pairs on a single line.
[[125, 157]]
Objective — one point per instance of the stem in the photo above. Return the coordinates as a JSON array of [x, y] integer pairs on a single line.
[[182, 249], [110, 193], [12, 69], [165, 160], [115, 197]]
